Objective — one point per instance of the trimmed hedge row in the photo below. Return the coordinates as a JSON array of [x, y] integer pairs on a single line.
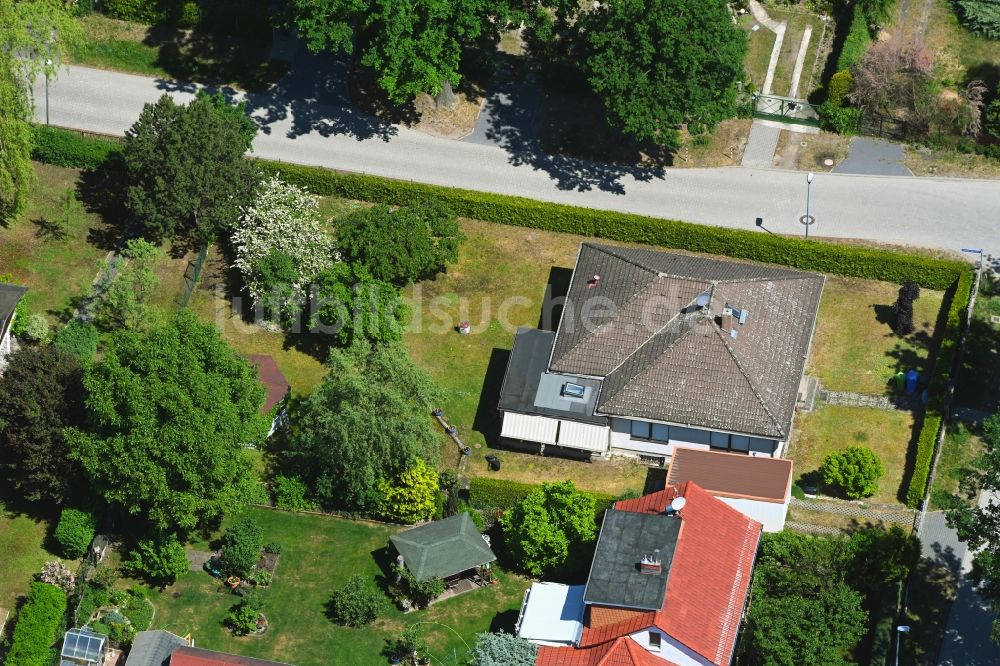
[[37, 626], [857, 41], [488, 494], [939, 389], [861, 262], [65, 148], [68, 149]]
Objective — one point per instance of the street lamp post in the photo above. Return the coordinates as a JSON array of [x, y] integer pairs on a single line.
[[901, 629], [48, 65], [809, 183]]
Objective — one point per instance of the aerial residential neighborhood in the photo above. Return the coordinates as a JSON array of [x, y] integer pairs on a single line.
[[507, 333]]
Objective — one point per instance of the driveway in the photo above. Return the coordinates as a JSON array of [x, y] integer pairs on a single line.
[[306, 119], [873, 157]]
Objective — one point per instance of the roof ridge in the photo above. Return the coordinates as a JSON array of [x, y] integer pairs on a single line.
[[610, 250], [797, 275], [753, 389]]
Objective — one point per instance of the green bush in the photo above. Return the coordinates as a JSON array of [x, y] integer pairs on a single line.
[[75, 531], [925, 453], [37, 627], [141, 11], [79, 339], [241, 546], [290, 494], [357, 603], [64, 148], [840, 84], [857, 41], [408, 591], [855, 470], [37, 328], [161, 561], [489, 494], [851, 261], [242, 618]]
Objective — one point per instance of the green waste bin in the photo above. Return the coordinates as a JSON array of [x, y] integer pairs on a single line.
[[900, 381]]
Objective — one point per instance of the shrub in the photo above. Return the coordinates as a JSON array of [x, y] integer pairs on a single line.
[[241, 545], [37, 328], [855, 470], [412, 496], [857, 41], [489, 494], [141, 11], [58, 574], [418, 593], [926, 442], [37, 627], [502, 649], [290, 494], [69, 149], [161, 561], [272, 547], [79, 339], [75, 531], [357, 603], [242, 618], [840, 119], [840, 84]]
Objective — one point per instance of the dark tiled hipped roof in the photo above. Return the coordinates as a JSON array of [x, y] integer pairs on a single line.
[[153, 648], [732, 474], [442, 548], [10, 294], [664, 359]]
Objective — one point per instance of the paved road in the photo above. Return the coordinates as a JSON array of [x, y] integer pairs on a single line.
[[305, 119]]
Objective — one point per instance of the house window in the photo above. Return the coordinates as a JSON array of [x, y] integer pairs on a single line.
[[661, 433], [740, 443], [719, 440], [640, 430], [654, 641]]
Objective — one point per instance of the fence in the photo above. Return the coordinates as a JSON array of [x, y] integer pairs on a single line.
[[885, 127], [192, 274], [785, 109]]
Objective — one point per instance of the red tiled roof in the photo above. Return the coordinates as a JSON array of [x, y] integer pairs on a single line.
[[598, 635], [191, 656], [272, 379], [622, 652], [710, 572]]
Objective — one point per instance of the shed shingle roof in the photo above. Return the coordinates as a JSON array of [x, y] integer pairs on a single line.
[[732, 474], [663, 359], [191, 656], [153, 648], [443, 548], [10, 294]]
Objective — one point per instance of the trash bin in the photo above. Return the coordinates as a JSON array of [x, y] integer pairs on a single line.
[[494, 462], [911, 381], [900, 381]]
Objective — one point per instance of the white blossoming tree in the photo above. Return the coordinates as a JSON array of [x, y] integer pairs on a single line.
[[280, 247]]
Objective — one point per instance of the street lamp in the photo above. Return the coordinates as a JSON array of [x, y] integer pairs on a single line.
[[48, 65], [901, 629], [808, 219], [970, 250]]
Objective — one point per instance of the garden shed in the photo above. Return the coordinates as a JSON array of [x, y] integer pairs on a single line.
[[452, 548], [82, 647]]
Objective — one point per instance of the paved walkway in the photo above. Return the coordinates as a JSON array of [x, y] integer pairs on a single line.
[[800, 59], [894, 402], [874, 157], [761, 144], [882, 512]]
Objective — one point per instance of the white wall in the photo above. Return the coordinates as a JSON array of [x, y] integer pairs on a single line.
[[670, 649], [770, 514]]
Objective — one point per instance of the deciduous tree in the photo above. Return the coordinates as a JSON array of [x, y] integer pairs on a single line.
[[855, 470], [160, 560], [357, 603], [185, 168], [553, 520], [412, 496], [350, 305], [241, 546], [662, 63], [41, 393], [169, 414], [126, 302], [367, 422]]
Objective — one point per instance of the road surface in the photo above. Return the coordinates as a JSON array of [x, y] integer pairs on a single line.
[[306, 119]]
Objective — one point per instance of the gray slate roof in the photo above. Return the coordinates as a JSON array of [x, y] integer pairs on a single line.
[[10, 294], [442, 548], [664, 359], [625, 538], [527, 388], [153, 648]]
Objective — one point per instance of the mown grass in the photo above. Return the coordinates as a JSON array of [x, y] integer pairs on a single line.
[[55, 269], [854, 347], [761, 44], [796, 25], [319, 554], [22, 551], [980, 373], [189, 55], [833, 427], [960, 449]]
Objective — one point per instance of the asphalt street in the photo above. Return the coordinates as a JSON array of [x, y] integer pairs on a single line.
[[305, 119]]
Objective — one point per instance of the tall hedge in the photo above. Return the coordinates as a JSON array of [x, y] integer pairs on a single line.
[[37, 627], [68, 149], [857, 41], [489, 494]]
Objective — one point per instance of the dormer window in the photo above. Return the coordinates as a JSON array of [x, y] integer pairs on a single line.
[[654, 641], [571, 390]]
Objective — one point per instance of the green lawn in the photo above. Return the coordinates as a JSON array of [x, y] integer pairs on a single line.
[[960, 448], [759, 54], [854, 349], [54, 270], [834, 427], [958, 53], [22, 551], [176, 54], [980, 372], [318, 555], [796, 25]]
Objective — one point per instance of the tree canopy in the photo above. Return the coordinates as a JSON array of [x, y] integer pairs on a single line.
[[126, 301], [660, 63], [979, 527], [548, 524], [169, 414], [403, 245], [185, 167], [855, 470], [41, 392], [367, 422], [351, 305]]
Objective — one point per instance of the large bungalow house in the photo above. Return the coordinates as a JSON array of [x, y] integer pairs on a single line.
[[10, 296], [655, 349], [668, 585]]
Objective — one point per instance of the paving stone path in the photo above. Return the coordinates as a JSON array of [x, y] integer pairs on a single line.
[[812, 529], [889, 513], [894, 402]]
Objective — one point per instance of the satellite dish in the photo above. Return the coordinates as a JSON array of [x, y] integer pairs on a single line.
[[678, 503], [702, 299]]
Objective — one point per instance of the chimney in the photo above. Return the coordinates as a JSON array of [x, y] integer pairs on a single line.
[[594, 281], [651, 564]]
